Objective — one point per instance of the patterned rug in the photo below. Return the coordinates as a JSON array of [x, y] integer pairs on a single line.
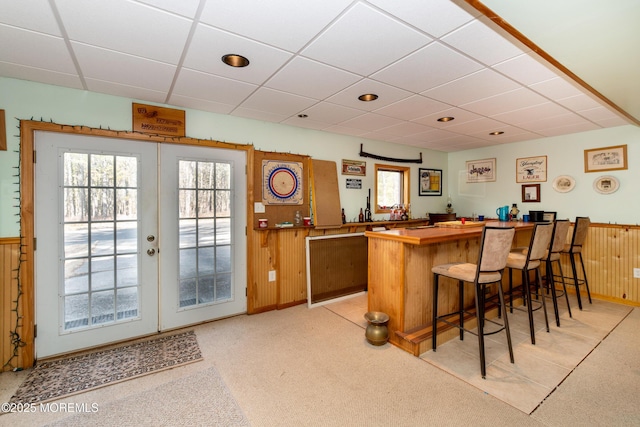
[[63, 377]]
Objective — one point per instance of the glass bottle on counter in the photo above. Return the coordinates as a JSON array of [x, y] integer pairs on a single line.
[[361, 216], [344, 218], [297, 219]]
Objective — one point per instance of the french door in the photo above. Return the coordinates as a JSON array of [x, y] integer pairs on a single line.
[[133, 238]]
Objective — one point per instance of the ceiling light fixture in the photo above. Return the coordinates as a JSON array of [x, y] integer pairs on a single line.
[[498, 132], [303, 116], [445, 119], [368, 97], [234, 60]]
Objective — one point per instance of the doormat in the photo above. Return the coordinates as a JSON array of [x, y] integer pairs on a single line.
[[59, 378]]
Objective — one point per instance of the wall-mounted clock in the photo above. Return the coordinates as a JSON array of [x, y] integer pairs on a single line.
[[281, 183]]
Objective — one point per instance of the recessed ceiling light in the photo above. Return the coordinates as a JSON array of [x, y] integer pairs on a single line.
[[368, 97], [235, 60], [303, 116], [445, 119], [498, 132]]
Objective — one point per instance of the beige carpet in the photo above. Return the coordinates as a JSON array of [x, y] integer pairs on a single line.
[[58, 378], [176, 403]]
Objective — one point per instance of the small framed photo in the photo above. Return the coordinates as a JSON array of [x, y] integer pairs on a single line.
[[430, 182], [605, 159], [530, 193], [531, 169], [481, 170], [354, 167]]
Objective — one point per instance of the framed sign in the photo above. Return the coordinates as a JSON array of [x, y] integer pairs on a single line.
[[531, 169], [481, 170], [430, 182], [605, 159], [530, 193], [354, 167]]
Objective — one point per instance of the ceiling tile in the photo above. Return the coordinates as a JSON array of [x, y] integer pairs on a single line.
[[412, 108], [479, 85], [35, 50], [209, 45], [40, 75], [277, 102], [115, 24], [505, 102], [296, 75], [405, 129], [266, 116], [370, 122], [528, 114], [556, 88], [386, 95], [573, 128], [437, 17], [526, 69], [285, 24], [331, 113], [200, 104], [116, 67], [194, 84], [427, 68], [305, 123], [35, 15], [125, 91], [484, 41], [345, 45], [186, 8]]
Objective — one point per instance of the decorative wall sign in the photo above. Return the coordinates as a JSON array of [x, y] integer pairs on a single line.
[[430, 182], [354, 167], [530, 193], [564, 183], [353, 183], [605, 159], [158, 120], [606, 184], [281, 183], [481, 170], [531, 169]]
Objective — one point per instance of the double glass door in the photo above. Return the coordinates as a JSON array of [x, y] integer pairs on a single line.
[[133, 238]]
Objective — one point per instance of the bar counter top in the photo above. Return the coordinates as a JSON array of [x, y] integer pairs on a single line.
[[435, 234]]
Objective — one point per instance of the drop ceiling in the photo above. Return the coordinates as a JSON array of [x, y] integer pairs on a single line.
[[424, 60]]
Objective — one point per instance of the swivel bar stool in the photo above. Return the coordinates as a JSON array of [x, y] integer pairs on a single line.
[[558, 240], [526, 260], [580, 231], [494, 249]]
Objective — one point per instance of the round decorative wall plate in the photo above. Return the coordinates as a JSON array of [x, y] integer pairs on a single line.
[[564, 183], [606, 184]]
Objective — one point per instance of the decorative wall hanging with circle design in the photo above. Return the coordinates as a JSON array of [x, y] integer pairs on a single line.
[[282, 183], [564, 184], [606, 184]]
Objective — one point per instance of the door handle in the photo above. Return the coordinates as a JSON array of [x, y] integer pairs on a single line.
[[151, 252]]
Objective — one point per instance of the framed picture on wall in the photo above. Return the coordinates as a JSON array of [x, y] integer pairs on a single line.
[[430, 182], [531, 169], [605, 159], [481, 170], [530, 193]]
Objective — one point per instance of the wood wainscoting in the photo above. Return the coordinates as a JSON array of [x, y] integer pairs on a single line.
[[11, 305]]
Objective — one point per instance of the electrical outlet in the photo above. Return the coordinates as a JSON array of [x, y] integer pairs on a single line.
[[636, 273], [272, 276]]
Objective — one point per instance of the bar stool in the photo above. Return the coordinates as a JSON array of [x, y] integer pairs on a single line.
[[580, 232], [558, 240], [494, 249], [526, 260]]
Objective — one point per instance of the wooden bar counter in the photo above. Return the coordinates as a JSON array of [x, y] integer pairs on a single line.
[[400, 281]]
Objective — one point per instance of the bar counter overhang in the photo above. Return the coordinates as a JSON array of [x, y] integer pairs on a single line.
[[400, 281]]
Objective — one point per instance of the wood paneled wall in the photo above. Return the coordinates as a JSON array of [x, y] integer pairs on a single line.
[[9, 303]]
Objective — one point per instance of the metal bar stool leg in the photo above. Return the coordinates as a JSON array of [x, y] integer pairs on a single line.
[[480, 317], [576, 281], [584, 274], [554, 297], [434, 315]]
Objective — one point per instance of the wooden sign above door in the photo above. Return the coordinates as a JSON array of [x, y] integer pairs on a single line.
[[158, 120]]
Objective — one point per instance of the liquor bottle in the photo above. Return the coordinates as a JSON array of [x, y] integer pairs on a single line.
[[361, 216], [344, 218]]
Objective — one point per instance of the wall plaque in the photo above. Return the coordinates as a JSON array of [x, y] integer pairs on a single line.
[[354, 183], [158, 120]]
